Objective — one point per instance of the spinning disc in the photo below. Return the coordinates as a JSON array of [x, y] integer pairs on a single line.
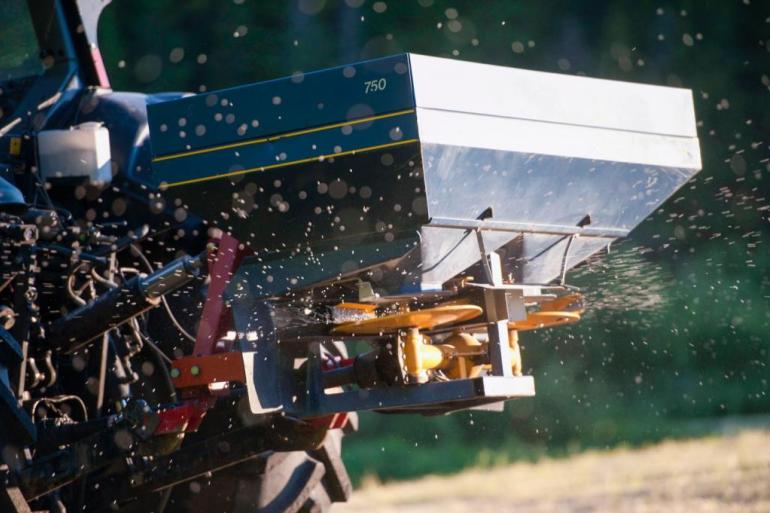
[[536, 320], [423, 319]]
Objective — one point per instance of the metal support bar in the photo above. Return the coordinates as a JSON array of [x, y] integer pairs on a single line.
[[439, 396], [222, 267], [545, 229], [563, 272], [12, 500], [496, 310], [499, 349], [495, 267], [492, 279]]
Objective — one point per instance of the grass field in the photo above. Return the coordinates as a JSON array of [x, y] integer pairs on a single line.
[[725, 474]]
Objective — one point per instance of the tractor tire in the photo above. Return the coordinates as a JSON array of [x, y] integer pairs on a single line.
[[274, 482]]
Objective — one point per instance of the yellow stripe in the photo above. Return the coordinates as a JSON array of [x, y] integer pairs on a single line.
[[284, 164], [281, 136]]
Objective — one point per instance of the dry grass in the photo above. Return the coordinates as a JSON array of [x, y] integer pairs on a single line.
[[728, 474]]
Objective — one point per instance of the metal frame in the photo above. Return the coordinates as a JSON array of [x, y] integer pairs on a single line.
[[543, 229], [502, 303], [435, 397]]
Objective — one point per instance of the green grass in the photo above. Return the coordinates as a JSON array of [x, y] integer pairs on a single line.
[[399, 457]]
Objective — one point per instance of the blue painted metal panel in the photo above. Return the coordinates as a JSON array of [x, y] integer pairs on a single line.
[[283, 105], [264, 154]]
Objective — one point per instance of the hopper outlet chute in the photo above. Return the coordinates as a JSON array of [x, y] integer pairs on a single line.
[[411, 167]]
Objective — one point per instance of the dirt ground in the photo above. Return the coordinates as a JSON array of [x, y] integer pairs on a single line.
[[729, 474]]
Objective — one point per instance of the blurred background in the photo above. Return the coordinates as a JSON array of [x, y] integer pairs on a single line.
[[676, 340]]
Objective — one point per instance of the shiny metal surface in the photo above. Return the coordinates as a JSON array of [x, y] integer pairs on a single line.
[[539, 200], [389, 186]]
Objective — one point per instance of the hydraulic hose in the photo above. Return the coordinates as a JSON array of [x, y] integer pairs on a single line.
[[119, 305]]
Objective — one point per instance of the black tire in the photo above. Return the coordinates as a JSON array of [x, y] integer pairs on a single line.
[[308, 481], [274, 482]]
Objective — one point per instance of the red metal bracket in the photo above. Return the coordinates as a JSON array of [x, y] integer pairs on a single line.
[[201, 371], [194, 374], [184, 418], [215, 318]]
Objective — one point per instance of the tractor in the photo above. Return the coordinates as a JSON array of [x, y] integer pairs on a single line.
[[199, 291]]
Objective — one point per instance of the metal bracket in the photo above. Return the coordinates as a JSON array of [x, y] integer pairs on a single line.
[[501, 305], [563, 273], [222, 265]]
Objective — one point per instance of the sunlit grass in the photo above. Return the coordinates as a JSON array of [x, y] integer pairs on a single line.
[[727, 473]]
